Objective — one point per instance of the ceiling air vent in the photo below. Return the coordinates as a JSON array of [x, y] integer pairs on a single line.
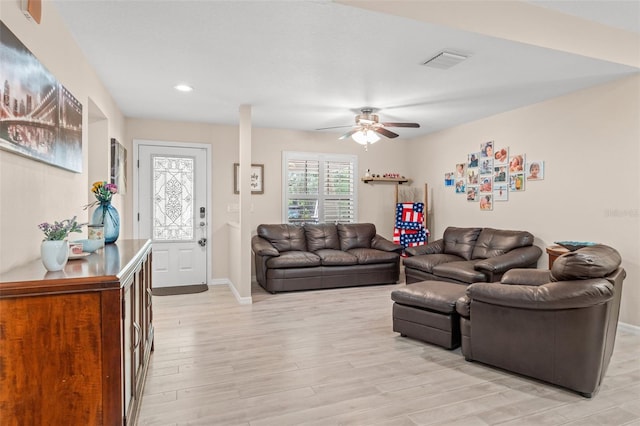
[[445, 60]]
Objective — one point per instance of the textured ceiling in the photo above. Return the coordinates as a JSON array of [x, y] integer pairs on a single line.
[[312, 64]]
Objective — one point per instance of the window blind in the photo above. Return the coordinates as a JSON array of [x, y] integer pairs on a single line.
[[319, 188]]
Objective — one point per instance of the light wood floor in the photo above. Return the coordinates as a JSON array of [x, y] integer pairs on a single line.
[[330, 357]]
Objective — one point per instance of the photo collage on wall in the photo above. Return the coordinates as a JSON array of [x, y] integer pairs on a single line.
[[489, 175]]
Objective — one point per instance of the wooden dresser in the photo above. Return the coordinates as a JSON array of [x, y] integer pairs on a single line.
[[75, 344]]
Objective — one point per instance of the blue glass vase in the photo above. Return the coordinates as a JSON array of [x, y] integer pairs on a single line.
[[107, 215]]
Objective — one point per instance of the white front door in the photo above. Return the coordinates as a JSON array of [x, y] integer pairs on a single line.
[[173, 212]]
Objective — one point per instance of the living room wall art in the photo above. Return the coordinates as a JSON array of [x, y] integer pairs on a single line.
[[489, 175], [39, 118], [257, 178], [119, 166]]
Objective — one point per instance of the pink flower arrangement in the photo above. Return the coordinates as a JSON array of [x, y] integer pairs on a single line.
[[103, 192]]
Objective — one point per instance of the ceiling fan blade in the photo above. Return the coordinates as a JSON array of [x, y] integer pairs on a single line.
[[348, 134], [335, 127], [385, 132], [401, 124]]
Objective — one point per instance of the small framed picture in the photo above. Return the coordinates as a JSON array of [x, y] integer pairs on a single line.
[[516, 163], [257, 178], [486, 202], [486, 150], [486, 184], [472, 193], [500, 192], [500, 173], [486, 166], [535, 170], [449, 179], [472, 176], [119, 166], [473, 159], [516, 181]]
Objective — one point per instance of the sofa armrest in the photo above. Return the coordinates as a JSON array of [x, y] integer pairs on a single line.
[[435, 247], [551, 296], [526, 276], [263, 247], [521, 257], [381, 243], [463, 306]]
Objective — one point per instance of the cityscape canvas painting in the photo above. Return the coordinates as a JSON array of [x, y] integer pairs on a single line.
[[39, 117]]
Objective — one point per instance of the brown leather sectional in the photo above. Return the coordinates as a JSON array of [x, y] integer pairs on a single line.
[[316, 256], [470, 255]]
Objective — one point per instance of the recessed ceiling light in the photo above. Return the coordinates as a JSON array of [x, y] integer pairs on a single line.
[[183, 87]]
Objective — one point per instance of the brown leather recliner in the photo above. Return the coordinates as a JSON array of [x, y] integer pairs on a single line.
[[558, 326]]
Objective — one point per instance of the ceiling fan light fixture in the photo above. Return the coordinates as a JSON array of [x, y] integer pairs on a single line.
[[365, 136]]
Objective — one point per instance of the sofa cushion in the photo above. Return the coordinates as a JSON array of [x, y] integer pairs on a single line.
[[596, 261], [426, 262], [496, 242], [284, 237], [460, 241], [368, 256], [330, 257], [461, 271], [294, 259], [321, 236], [356, 235]]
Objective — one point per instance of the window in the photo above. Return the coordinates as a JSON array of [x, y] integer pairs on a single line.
[[319, 188]]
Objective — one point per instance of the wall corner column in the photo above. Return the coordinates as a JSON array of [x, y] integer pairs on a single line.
[[243, 286]]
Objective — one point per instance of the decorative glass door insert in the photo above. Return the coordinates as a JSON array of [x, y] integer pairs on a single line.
[[173, 210]]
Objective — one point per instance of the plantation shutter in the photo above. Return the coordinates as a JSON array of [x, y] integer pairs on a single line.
[[319, 188], [303, 178], [339, 204]]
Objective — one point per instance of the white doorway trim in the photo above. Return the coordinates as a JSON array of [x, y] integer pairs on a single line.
[[207, 148]]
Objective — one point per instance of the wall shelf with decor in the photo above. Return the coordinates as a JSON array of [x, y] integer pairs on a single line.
[[399, 181]]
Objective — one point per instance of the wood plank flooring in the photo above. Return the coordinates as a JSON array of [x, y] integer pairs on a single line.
[[330, 357]]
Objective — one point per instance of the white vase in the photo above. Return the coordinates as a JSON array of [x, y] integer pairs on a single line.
[[54, 254]]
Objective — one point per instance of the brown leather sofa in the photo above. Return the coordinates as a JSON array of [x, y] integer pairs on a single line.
[[558, 326], [469, 255], [316, 256]]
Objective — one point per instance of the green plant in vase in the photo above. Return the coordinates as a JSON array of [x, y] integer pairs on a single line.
[[54, 250]]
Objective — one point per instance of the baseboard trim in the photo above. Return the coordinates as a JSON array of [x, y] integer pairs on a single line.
[[241, 300], [227, 281], [629, 328]]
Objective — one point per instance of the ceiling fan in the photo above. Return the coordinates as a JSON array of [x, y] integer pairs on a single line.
[[368, 127]]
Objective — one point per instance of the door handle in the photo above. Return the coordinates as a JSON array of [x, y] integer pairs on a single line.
[[202, 242]]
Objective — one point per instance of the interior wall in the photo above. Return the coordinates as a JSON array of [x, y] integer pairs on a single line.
[[376, 202], [32, 192], [589, 142], [224, 150]]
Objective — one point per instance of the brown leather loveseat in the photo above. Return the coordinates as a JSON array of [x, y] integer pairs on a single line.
[[469, 255], [316, 256], [558, 326]]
